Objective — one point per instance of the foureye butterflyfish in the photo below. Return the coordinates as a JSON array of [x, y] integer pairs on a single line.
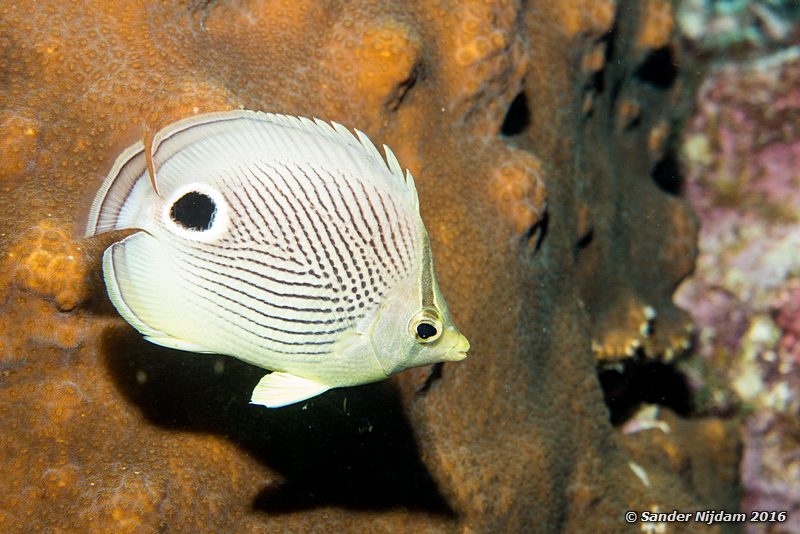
[[285, 242]]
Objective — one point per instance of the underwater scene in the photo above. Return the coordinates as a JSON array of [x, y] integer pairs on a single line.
[[474, 266]]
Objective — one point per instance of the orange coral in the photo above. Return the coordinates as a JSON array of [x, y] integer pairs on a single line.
[[50, 263], [594, 59], [518, 189], [657, 24], [582, 17], [484, 58], [657, 138], [628, 112], [384, 63]]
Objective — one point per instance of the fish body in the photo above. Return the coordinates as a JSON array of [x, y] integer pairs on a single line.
[[285, 242]]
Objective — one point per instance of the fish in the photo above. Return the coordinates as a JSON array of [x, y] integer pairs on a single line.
[[286, 242]]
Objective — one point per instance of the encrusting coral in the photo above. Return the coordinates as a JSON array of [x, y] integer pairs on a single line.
[[742, 152], [539, 138]]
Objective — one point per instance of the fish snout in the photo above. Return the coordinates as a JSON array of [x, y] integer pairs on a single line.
[[460, 345]]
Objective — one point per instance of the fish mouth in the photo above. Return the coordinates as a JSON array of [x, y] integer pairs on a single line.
[[456, 356], [460, 347]]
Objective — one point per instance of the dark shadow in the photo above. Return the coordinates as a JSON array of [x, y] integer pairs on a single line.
[[518, 117], [659, 69], [434, 375], [98, 303], [644, 382], [350, 447]]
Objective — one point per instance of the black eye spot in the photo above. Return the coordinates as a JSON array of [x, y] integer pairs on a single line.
[[426, 330], [194, 211]]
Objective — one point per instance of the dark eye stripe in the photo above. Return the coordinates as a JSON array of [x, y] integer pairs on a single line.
[[426, 275]]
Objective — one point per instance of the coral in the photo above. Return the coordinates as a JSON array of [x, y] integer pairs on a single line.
[[18, 143], [518, 190], [49, 262], [742, 153], [656, 26], [539, 135], [637, 317], [671, 447], [592, 18]]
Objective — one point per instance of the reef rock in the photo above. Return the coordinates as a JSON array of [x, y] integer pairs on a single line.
[[742, 153], [540, 135]]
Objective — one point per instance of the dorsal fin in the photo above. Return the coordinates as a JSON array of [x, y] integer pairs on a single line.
[[408, 180], [202, 146], [247, 135], [122, 186], [148, 155]]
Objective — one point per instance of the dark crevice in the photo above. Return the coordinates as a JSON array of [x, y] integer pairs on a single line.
[[659, 69], [638, 382], [597, 83], [593, 89], [667, 174], [611, 41], [598, 80], [518, 117], [536, 234], [616, 89], [584, 241], [634, 123], [403, 88]]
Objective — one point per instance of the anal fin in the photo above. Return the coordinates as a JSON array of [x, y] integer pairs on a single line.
[[280, 389]]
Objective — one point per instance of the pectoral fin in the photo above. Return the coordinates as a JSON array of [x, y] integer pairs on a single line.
[[173, 343], [279, 389], [141, 290]]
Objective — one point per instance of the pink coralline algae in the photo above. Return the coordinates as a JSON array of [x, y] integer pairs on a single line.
[[742, 151]]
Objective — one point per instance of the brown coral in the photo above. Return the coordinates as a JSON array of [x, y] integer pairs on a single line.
[[482, 100], [17, 143], [638, 313]]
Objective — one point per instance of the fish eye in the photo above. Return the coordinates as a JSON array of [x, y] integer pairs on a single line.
[[426, 330], [194, 211], [426, 326]]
